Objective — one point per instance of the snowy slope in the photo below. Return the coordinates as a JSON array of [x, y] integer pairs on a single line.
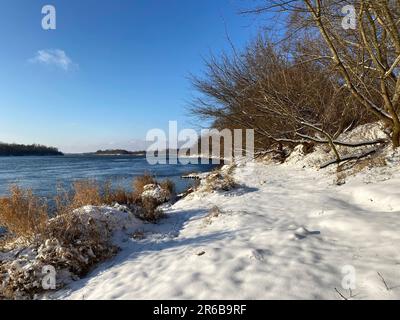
[[286, 234]]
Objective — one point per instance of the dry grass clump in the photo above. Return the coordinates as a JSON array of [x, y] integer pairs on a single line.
[[22, 213], [220, 181], [352, 168], [83, 240], [169, 186], [140, 182], [91, 192], [70, 243], [149, 195], [374, 162], [86, 192], [118, 195], [214, 212], [150, 210], [75, 239]]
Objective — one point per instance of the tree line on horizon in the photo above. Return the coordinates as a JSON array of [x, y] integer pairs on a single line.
[[13, 149]]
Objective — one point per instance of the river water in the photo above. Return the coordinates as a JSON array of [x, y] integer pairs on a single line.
[[44, 174]]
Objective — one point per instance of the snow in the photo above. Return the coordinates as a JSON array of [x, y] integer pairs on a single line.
[[288, 232], [23, 263], [323, 153], [155, 192]]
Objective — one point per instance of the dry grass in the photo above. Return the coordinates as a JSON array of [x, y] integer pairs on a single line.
[[150, 206], [219, 181], [86, 239], [354, 167], [86, 192], [111, 196], [91, 192], [22, 213], [151, 212], [72, 242], [169, 186], [140, 182], [374, 162], [214, 212], [25, 215]]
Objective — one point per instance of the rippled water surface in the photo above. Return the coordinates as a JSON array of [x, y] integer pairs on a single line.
[[44, 174]]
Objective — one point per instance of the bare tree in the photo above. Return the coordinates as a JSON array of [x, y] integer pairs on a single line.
[[366, 58], [285, 100]]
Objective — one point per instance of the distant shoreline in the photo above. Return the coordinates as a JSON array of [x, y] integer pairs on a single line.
[[21, 150], [30, 155], [118, 152]]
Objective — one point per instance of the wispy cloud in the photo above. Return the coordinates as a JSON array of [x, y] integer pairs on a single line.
[[55, 57]]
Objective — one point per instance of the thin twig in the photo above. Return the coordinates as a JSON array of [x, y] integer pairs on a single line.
[[341, 294], [383, 280]]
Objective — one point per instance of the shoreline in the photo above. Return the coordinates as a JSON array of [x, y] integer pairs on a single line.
[[259, 222], [245, 230]]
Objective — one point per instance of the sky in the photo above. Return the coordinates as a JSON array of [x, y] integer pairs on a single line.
[[111, 70]]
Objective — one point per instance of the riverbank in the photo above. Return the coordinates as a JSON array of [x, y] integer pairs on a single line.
[[287, 232], [262, 229]]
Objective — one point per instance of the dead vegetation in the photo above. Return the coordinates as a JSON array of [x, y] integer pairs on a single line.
[[73, 241], [151, 212], [169, 186], [351, 168], [214, 213], [311, 80], [140, 182], [70, 243], [22, 213], [220, 180]]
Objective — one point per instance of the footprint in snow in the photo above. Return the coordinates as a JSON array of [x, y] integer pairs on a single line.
[[302, 233], [259, 254]]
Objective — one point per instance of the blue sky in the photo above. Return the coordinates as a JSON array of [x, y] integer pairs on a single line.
[[111, 71]]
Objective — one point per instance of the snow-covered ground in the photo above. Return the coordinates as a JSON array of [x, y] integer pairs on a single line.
[[288, 233]]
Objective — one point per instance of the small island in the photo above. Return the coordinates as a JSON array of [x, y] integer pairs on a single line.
[[18, 150], [119, 152]]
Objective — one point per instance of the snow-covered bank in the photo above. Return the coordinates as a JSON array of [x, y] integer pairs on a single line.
[[286, 233]]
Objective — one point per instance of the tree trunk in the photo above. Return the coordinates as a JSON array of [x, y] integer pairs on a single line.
[[396, 135]]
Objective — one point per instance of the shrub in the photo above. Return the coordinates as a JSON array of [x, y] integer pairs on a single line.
[[169, 186], [71, 243], [75, 239], [86, 192], [22, 213], [150, 211], [120, 196], [111, 196], [140, 182], [220, 181], [86, 239]]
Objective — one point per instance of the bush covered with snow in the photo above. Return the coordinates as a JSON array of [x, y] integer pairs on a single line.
[[155, 192], [219, 180], [71, 244]]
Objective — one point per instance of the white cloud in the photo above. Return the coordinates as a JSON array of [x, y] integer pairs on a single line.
[[55, 57]]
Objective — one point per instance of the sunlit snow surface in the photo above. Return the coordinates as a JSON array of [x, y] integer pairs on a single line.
[[287, 233]]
